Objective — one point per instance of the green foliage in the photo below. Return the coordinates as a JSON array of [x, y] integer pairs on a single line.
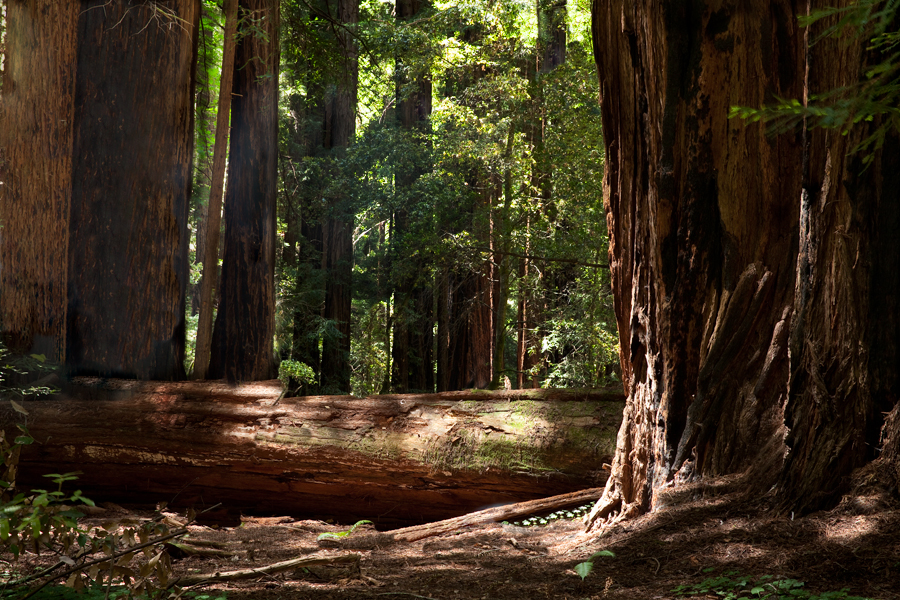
[[341, 534], [19, 374], [465, 183], [584, 568], [297, 371], [874, 99], [732, 586]]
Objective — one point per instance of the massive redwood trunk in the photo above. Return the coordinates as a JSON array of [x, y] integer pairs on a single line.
[[36, 108], [393, 459], [845, 335], [99, 162], [702, 215], [743, 344], [245, 323]]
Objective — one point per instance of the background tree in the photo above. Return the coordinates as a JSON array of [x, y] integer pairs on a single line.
[[338, 226], [245, 322]]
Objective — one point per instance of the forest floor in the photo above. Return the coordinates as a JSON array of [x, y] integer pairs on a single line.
[[707, 532]]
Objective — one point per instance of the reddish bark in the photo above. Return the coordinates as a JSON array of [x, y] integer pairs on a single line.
[[396, 459]]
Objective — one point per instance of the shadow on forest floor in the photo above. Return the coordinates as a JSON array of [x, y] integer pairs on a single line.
[[707, 530]]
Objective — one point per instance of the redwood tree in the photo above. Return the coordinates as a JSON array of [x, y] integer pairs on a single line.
[[242, 344], [411, 352], [744, 346], [702, 214], [36, 107], [98, 145], [337, 234]]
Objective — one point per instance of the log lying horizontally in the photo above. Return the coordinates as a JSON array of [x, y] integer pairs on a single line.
[[396, 460]]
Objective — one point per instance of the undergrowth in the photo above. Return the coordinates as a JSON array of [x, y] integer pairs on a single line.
[[733, 586]]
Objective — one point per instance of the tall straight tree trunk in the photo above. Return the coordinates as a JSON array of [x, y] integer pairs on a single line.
[[245, 323], [411, 354], [550, 53], [502, 245], [132, 148], [36, 112], [338, 226], [702, 214], [213, 219]]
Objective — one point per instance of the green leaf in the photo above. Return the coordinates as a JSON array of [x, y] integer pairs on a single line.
[[583, 569], [602, 554]]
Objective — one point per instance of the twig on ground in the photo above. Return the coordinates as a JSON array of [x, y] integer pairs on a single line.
[[306, 561], [404, 594]]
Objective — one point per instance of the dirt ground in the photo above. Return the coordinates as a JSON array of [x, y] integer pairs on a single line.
[[704, 532]]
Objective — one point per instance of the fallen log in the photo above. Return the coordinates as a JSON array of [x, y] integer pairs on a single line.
[[393, 459]]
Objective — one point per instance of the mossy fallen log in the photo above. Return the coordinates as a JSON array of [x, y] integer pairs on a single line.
[[394, 459]]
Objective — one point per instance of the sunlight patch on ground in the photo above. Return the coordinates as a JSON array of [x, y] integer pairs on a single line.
[[845, 530]]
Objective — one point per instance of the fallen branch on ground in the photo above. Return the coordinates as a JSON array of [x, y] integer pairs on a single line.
[[490, 515], [294, 563]]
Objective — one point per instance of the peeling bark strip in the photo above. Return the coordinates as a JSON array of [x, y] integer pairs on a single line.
[[702, 214], [396, 460]]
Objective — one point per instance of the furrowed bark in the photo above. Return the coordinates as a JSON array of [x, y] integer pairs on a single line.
[[132, 147], [36, 110], [846, 329], [701, 212], [245, 323]]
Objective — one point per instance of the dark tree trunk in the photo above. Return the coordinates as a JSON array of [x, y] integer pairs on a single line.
[[551, 16], [846, 326], [245, 323], [338, 226], [128, 237], [36, 113], [538, 305], [411, 353], [702, 213]]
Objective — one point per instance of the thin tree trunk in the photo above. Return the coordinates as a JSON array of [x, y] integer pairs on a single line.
[[213, 221], [338, 226], [132, 149], [502, 243], [245, 324], [36, 112], [411, 354]]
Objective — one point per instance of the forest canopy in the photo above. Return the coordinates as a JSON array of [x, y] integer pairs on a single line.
[[438, 219]]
